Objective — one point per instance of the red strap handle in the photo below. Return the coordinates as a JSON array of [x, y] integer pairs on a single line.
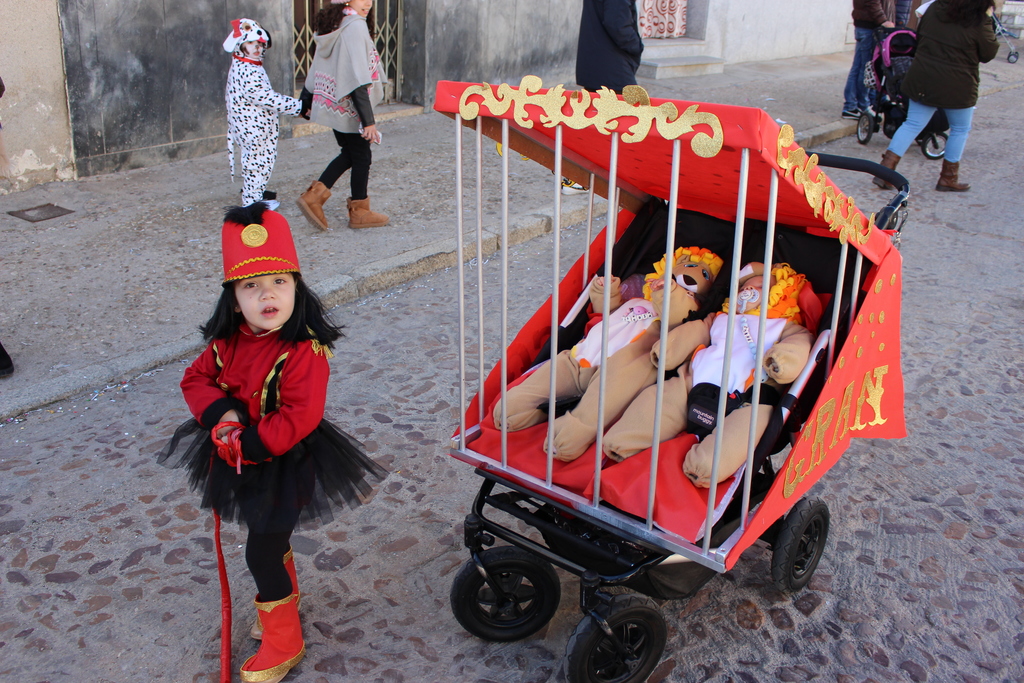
[[229, 448]]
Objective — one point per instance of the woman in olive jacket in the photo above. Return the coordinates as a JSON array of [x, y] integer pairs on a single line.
[[954, 36]]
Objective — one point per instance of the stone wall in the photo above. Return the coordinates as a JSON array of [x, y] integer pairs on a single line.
[[1012, 16], [761, 30], [487, 40], [145, 78], [34, 110]]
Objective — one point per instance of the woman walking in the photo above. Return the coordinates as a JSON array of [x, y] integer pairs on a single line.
[[954, 36], [345, 84]]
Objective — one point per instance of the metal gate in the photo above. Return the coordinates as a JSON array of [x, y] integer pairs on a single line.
[[387, 30]]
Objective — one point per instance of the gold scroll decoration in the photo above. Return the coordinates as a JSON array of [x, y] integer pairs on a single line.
[[609, 108], [838, 210]]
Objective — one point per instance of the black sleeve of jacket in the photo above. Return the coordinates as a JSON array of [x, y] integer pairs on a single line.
[[361, 100], [215, 411], [306, 98], [253, 449], [617, 19]]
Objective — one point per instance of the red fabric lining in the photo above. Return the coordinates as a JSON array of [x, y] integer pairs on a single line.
[[623, 485]]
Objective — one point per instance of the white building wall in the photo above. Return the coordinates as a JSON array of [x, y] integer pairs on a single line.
[[760, 30]]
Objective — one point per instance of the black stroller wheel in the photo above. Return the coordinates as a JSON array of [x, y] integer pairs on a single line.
[[1012, 57], [800, 543], [593, 657], [525, 597], [934, 146], [865, 128]]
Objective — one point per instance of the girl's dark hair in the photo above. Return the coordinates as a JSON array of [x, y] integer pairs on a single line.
[[309, 319], [329, 19], [968, 13]]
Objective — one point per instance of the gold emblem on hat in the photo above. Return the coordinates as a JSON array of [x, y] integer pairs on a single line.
[[254, 235]]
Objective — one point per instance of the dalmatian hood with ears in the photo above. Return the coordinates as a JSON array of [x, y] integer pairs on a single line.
[[244, 31]]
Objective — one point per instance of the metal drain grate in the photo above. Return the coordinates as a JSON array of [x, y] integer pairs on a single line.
[[41, 213]]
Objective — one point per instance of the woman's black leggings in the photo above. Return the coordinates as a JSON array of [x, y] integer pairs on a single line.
[[355, 154], [264, 553]]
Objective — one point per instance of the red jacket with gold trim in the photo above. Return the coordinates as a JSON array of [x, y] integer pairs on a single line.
[[259, 370]]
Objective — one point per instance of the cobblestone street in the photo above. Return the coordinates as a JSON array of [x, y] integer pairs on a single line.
[[107, 570]]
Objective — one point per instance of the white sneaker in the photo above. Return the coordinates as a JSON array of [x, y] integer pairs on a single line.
[[570, 188], [272, 204]]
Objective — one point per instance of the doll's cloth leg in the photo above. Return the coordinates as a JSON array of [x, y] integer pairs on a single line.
[[734, 433], [628, 373], [634, 430], [523, 399], [258, 158]]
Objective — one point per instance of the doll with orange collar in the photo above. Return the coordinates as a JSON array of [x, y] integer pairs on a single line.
[[634, 327], [690, 399]]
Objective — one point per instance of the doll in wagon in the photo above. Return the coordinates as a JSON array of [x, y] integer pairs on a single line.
[[634, 327], [690, 401]]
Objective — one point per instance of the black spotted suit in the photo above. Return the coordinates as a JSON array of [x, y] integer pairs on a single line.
[[253, 108]]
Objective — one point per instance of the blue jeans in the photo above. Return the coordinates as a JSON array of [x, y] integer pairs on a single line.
[[856, 95], [918, 116]]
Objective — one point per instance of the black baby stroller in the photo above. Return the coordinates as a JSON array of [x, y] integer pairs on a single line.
[[893, 55]]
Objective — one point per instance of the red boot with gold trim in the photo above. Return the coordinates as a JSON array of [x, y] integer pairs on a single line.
[[256, 632], [282, 646]]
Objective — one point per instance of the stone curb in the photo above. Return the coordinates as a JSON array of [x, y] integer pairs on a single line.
[[367, 279]]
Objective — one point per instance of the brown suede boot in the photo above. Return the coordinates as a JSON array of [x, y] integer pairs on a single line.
[[311, 203], [360, 216], [889, 160], [949, 180]]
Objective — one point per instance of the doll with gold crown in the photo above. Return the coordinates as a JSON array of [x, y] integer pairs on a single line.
[[258, 446]]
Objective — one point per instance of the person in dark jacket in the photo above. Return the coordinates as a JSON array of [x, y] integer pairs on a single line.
[[608, 52], [953, 37], [609, 48], [867, 16]]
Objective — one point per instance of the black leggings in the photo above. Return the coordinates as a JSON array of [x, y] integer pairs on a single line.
[[264, 553], [355, 154]]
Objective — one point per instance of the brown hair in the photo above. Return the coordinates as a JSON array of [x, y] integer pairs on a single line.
[[968, 13], [329, 19]]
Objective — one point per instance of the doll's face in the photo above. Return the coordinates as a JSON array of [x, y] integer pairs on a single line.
[[694, 277], [266, 301], [749, 295], [683, 301]]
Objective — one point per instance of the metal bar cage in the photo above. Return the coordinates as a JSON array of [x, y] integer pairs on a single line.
[[592, 509]]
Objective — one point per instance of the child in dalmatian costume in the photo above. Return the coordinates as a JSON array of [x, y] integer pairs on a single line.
[[253, 107]]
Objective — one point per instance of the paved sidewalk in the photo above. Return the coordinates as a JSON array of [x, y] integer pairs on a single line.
[[120, 285]]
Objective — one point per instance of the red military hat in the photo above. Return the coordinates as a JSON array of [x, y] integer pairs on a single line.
[[257, 248]]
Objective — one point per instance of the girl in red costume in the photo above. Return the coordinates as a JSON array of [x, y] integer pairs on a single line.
[[259, 447]]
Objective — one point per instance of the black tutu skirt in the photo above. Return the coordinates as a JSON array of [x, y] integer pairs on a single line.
[[325, 470]]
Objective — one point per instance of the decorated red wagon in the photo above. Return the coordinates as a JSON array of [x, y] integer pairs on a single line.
[[720, 190]]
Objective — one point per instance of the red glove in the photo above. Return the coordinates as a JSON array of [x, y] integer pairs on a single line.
[[229, 449]]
